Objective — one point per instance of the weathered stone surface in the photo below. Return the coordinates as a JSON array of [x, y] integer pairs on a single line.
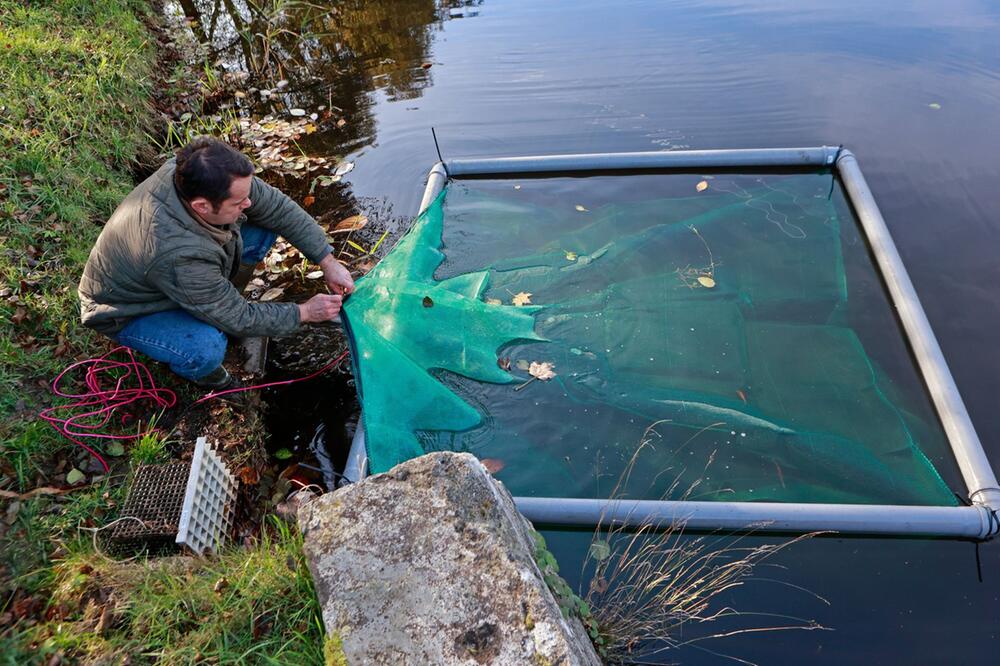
[[431, 563]]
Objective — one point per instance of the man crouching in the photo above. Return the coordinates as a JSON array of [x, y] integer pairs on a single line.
[[161, 277]]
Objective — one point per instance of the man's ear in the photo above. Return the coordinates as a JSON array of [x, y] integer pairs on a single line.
[[201, 205]]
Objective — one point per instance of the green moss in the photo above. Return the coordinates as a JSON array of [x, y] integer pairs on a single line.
[[333, 651], [570, 604]]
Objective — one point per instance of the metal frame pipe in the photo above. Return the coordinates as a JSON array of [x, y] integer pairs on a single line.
[[967, 522], [674, 159], [972, 461], [974, 522]]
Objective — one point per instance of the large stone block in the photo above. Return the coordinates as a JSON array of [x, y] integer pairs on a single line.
[[430, 563]]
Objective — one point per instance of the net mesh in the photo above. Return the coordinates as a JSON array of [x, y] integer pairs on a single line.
[[723, 317]]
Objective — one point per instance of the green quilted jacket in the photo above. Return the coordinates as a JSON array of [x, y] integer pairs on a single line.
[[153, 256]]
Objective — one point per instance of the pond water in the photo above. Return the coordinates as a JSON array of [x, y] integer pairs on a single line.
[[911, 87]]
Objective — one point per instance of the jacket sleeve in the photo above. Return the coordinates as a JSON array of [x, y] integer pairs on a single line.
[[273, 210], [195, 282]]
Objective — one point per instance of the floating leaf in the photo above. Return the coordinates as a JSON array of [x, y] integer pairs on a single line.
[[428, 302], [427, 65], [493, 465], [272, 293], [343, 168], [521, 364], [297, 112], [352, 223], [599, 585], [522, 298], [74, 476], [115, 449], [494, 301], [314, 275], [600, 550], [706, 281], [282, 454], [326, 181], [580, 208], [541, 371], [702, 186], [571, 256], [934, 105], [517, 187], [504, 363]]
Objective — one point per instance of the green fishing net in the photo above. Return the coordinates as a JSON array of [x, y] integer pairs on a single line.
[[730, 319]]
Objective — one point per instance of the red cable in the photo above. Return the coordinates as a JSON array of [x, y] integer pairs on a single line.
[[105, 401], [209, 396]]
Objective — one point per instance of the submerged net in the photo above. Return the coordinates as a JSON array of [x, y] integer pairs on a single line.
[[723, 317]]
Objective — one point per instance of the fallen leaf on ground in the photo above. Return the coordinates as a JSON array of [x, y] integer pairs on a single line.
[[220, 585], [706, 281], [272, 293], [309, 201], [74, 476], [45, 490], [314, 275], [341, 122], [580, 208], [297, 112], [249, 476], [522, 298], [493, 465], [702, 186], [115, 449], [282, 454], [352, 223], [541, 371]]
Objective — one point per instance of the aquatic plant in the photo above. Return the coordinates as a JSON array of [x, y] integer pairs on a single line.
[[651, 586]]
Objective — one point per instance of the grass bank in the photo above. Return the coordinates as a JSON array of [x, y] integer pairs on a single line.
[[77, 117]]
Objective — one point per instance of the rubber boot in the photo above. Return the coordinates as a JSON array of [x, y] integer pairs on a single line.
[[243, 275], [217, 380], [220, 380]]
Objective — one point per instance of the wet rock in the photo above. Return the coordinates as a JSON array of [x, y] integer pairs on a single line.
[[431, 563]]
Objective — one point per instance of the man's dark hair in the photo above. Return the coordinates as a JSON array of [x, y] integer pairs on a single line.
[[206, 168]]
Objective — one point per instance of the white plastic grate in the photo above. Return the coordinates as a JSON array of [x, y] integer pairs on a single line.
[[209, 500]]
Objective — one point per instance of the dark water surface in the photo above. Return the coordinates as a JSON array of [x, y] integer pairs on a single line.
[[913, 88]]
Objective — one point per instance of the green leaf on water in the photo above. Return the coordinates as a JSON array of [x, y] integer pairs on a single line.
[[934, 105], [282, 454], [600, 550]]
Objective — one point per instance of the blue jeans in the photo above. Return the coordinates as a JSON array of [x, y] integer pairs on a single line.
[[188, 345]]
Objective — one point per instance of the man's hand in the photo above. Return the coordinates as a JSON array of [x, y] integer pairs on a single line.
[[338, 278], [321, 307]]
